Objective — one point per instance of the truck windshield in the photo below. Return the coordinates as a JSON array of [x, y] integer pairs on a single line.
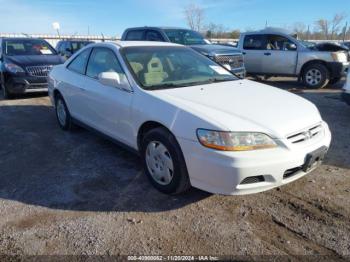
[[159, 67], [16, 47], [185, 37]]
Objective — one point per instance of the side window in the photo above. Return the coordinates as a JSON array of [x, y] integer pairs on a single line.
[[102, 60], [254, 42], [152, 35], [280, 43], [135, 35], [78, 65]]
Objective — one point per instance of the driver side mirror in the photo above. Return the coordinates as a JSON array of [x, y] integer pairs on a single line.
[[114, 79]]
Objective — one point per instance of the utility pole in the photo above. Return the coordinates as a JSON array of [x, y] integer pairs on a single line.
[[308, 33], [88, 30], [266, 24]]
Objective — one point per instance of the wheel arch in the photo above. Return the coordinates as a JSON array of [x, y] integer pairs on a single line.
[[147, 126], [314, 61]]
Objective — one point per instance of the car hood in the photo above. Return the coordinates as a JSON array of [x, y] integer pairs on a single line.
[[245, 105], [34, 60], [210, 49]]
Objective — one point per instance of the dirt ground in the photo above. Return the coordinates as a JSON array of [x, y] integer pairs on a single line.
[[78, 194]]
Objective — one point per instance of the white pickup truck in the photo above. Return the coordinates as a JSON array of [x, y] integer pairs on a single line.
[[276, 52]]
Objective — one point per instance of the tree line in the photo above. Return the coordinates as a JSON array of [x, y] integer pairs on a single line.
[[336, 28]]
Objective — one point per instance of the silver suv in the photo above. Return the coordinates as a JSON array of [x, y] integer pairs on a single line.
[[275, 52]]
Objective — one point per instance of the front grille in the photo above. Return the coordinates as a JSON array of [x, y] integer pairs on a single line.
[[235, 61], [306, 134], [291, 172], [253, 179], [41, 71]]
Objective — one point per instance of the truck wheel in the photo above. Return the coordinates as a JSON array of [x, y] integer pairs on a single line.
[[334, 80], [315, 76], [164, 162]]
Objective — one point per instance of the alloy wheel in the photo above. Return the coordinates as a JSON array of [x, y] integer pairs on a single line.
[[313, 77]]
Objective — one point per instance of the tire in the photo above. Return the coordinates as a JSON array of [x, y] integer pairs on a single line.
[[5, 92], [163, 162], [315, 75], [334, 80], [63, 116]]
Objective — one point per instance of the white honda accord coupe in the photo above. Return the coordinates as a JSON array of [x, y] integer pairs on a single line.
[[192, 121]]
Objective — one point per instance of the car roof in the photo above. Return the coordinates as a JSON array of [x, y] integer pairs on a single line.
[[142, 43], [271, 30], [21, 38], [76, 40], [157, 27]]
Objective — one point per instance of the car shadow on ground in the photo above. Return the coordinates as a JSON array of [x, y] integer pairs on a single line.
[[44, 166]]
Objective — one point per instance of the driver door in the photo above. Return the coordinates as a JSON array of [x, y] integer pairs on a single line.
[[280, 58], [107, 107]]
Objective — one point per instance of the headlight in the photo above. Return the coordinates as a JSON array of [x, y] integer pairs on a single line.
[[339, 57], [234, 141], [13, 68]]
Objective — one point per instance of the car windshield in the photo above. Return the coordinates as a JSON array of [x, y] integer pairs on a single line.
[[185, 37], [159, 67], [16, 47]]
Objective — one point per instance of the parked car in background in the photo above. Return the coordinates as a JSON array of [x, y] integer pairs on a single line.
[[346, 93], [275, 52], [25, 64], [66, 48], [192, 121], [229, 57]]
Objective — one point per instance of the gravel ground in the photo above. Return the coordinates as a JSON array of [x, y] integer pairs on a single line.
[[76, 193]]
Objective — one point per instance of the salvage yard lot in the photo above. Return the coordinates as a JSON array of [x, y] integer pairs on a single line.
[[76, 193]]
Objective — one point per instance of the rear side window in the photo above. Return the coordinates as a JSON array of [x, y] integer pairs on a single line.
[[102, 60], [79, 63], [152, 35], [255, 42], [135, 35]]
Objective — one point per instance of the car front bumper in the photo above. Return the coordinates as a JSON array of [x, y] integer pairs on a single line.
[[346, 97], [223, 172], [240, 72], [338, 69], [26, 84]]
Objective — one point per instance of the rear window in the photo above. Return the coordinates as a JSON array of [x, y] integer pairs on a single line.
[[255, 42], [78, 45], [16, 47], [135, 35]]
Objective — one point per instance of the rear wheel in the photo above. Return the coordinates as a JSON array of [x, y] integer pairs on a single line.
[[315, 76], [63, 116], [164, 162]]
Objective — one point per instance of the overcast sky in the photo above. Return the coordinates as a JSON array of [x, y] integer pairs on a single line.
[[111, 17]]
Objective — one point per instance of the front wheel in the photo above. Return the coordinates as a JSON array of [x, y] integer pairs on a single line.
[[315, 76], [5, 92], [164, 162]]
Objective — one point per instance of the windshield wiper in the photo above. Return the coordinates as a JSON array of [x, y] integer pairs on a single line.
[[173, 85], [163, 86]]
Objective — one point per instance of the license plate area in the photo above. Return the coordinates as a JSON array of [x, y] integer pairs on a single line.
[[314, 158]]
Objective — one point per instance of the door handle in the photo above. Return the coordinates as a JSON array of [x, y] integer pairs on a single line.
[[82, 89], [268, 53], [243, 53]]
